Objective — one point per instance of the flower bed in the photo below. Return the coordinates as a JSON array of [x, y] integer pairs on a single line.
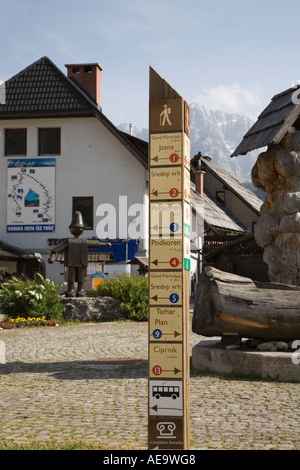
[[20, 322], [35, 298]]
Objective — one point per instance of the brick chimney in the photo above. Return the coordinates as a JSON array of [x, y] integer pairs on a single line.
[[198, 173], [89, 77], [199, 181]]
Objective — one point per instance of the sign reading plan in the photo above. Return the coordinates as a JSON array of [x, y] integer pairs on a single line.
[[30, 195]]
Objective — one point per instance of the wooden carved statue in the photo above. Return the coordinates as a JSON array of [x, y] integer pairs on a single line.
[[277, 172], [227, 303], [76, 256]]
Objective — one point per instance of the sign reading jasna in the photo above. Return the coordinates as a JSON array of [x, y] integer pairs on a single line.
[[169, 265]]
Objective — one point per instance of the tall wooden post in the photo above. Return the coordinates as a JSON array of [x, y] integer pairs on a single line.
[[169, 264]]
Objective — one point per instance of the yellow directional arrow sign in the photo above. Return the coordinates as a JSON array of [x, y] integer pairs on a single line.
[[166, 149], [165, 360]]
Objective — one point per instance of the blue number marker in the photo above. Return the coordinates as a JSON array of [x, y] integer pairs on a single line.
[[157, 334], [174, 227], [174, 298]]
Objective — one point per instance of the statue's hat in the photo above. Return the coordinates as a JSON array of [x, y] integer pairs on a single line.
[[77, 220]]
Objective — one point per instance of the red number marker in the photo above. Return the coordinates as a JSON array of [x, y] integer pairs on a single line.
[[157, 370], [174, 158], [174, 262], [174, 192]]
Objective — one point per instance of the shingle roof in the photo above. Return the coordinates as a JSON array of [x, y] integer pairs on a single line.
[[243, 193], [273, 123], [215, 214]]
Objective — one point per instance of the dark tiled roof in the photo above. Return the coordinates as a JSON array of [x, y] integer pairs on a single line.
[[42, 88], [142, 145], [272, 124]]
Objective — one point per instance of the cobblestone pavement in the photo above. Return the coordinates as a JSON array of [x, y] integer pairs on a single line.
[[51, 387]]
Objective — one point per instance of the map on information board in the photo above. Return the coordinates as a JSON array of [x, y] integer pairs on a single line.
[[30, 195]]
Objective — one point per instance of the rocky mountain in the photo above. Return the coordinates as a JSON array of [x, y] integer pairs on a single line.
[[217, 134]]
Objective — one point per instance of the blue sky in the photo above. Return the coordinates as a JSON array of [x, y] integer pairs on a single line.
[[233, 55]]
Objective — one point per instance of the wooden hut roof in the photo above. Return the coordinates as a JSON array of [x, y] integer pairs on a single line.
[[273, 123]]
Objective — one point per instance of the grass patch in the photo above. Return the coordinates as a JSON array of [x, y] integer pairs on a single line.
[[65, 445]]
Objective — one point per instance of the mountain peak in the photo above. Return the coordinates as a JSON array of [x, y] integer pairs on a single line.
[[217, 134]]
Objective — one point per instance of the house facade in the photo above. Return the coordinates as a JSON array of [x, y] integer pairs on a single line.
[[58, 154]]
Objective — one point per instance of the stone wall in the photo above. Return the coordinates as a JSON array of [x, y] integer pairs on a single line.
[[92, 309]]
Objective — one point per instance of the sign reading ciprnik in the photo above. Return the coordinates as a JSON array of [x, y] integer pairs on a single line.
[[169, 265]]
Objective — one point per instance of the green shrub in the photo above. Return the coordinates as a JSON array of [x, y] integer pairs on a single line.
[[4, 275], [31, 298], [131, 290]]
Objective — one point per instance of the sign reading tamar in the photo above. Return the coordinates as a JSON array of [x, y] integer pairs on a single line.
[[169, 264]]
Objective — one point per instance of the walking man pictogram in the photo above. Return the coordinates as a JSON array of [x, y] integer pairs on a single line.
[[164, 116]]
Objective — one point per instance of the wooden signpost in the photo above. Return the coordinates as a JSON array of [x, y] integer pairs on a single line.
[[169, 264]]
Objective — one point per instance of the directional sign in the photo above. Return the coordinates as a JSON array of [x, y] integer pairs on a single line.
[[169, 265], [166, 253], [187, 254], [165, 288], [165, 184], [186, 152], [165, 219], [186, 187], [165, 397], [166, 149], [165, 360], [165, 323], [187, 219]]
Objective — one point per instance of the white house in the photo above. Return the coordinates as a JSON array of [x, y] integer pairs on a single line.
[[58, 154]]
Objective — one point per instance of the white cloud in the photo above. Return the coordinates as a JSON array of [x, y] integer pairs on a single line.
[[232, 99]]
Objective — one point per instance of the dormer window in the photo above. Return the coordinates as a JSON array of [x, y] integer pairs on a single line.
[[220, 195]]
